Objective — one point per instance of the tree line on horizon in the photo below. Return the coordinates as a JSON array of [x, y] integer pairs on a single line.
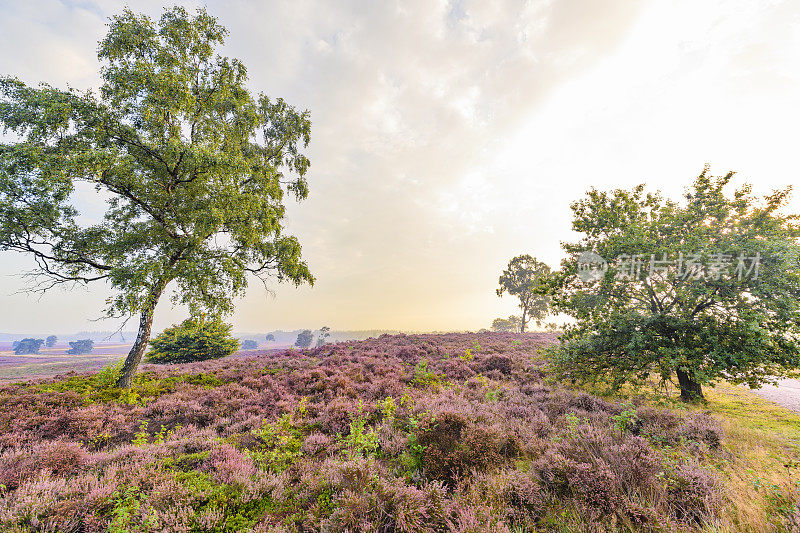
[[30, 346]]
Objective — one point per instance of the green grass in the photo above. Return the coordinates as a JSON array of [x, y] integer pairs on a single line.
[[753, 412], [761, 470]]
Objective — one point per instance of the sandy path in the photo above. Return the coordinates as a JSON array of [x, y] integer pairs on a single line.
[[786, 394]]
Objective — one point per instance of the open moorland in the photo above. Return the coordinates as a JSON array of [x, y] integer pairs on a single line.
[[50, 362], [454, 432]]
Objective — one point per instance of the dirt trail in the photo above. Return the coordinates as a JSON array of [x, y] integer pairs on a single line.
[[786, 394]]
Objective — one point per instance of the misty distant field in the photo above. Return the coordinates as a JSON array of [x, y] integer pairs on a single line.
[[50, 362]]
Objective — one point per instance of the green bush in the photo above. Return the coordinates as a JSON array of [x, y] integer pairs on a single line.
[[279, 445], [360, 441], [424, 377], [196, 339]]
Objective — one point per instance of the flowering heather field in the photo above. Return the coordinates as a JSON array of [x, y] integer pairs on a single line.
[[417, 433]]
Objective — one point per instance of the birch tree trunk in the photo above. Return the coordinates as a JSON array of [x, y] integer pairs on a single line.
[[142, 338]]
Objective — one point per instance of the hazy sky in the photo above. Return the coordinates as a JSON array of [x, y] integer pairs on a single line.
[[448, 137]]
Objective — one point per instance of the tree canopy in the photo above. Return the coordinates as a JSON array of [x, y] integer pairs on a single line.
[[192, 166], [704, 290], [27, 346], [511, 323], [525, 278], [304, 339], [249, 344], [81, 347]]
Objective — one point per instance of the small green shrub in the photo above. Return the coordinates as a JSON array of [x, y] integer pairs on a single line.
[[573, 422], [279, 444], [425, 378], [107, 378], [411, 459], [101, 387], [186, 461], [625, 420], [360, 441], [388, 409], [493, 394], [127, 504], [469, 354], [196, 339], [141, 437]]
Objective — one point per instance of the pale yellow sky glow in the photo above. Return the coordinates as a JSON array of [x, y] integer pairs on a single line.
[[448, 137]]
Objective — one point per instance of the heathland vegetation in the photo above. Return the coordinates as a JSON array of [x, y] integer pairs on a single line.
[[452, 432]]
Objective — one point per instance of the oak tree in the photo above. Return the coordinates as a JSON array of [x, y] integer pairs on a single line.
[[27, 346], [703, 290], [81, 347]]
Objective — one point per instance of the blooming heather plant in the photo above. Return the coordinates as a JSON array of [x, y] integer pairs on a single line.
[[395, 433]]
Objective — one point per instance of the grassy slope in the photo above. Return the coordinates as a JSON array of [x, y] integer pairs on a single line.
[[762, 467]]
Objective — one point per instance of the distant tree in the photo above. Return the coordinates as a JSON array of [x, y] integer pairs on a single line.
[[511, 323], [249, 344], [304, 339], [526, 279], [50, 341], [28, 346], [81, 347], [195, 339], [14, 345], [704, 290], [270, 338], [194, 168], [324, 333]]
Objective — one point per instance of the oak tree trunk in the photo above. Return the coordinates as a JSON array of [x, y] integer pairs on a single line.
[[691, 390], [142, 338]]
